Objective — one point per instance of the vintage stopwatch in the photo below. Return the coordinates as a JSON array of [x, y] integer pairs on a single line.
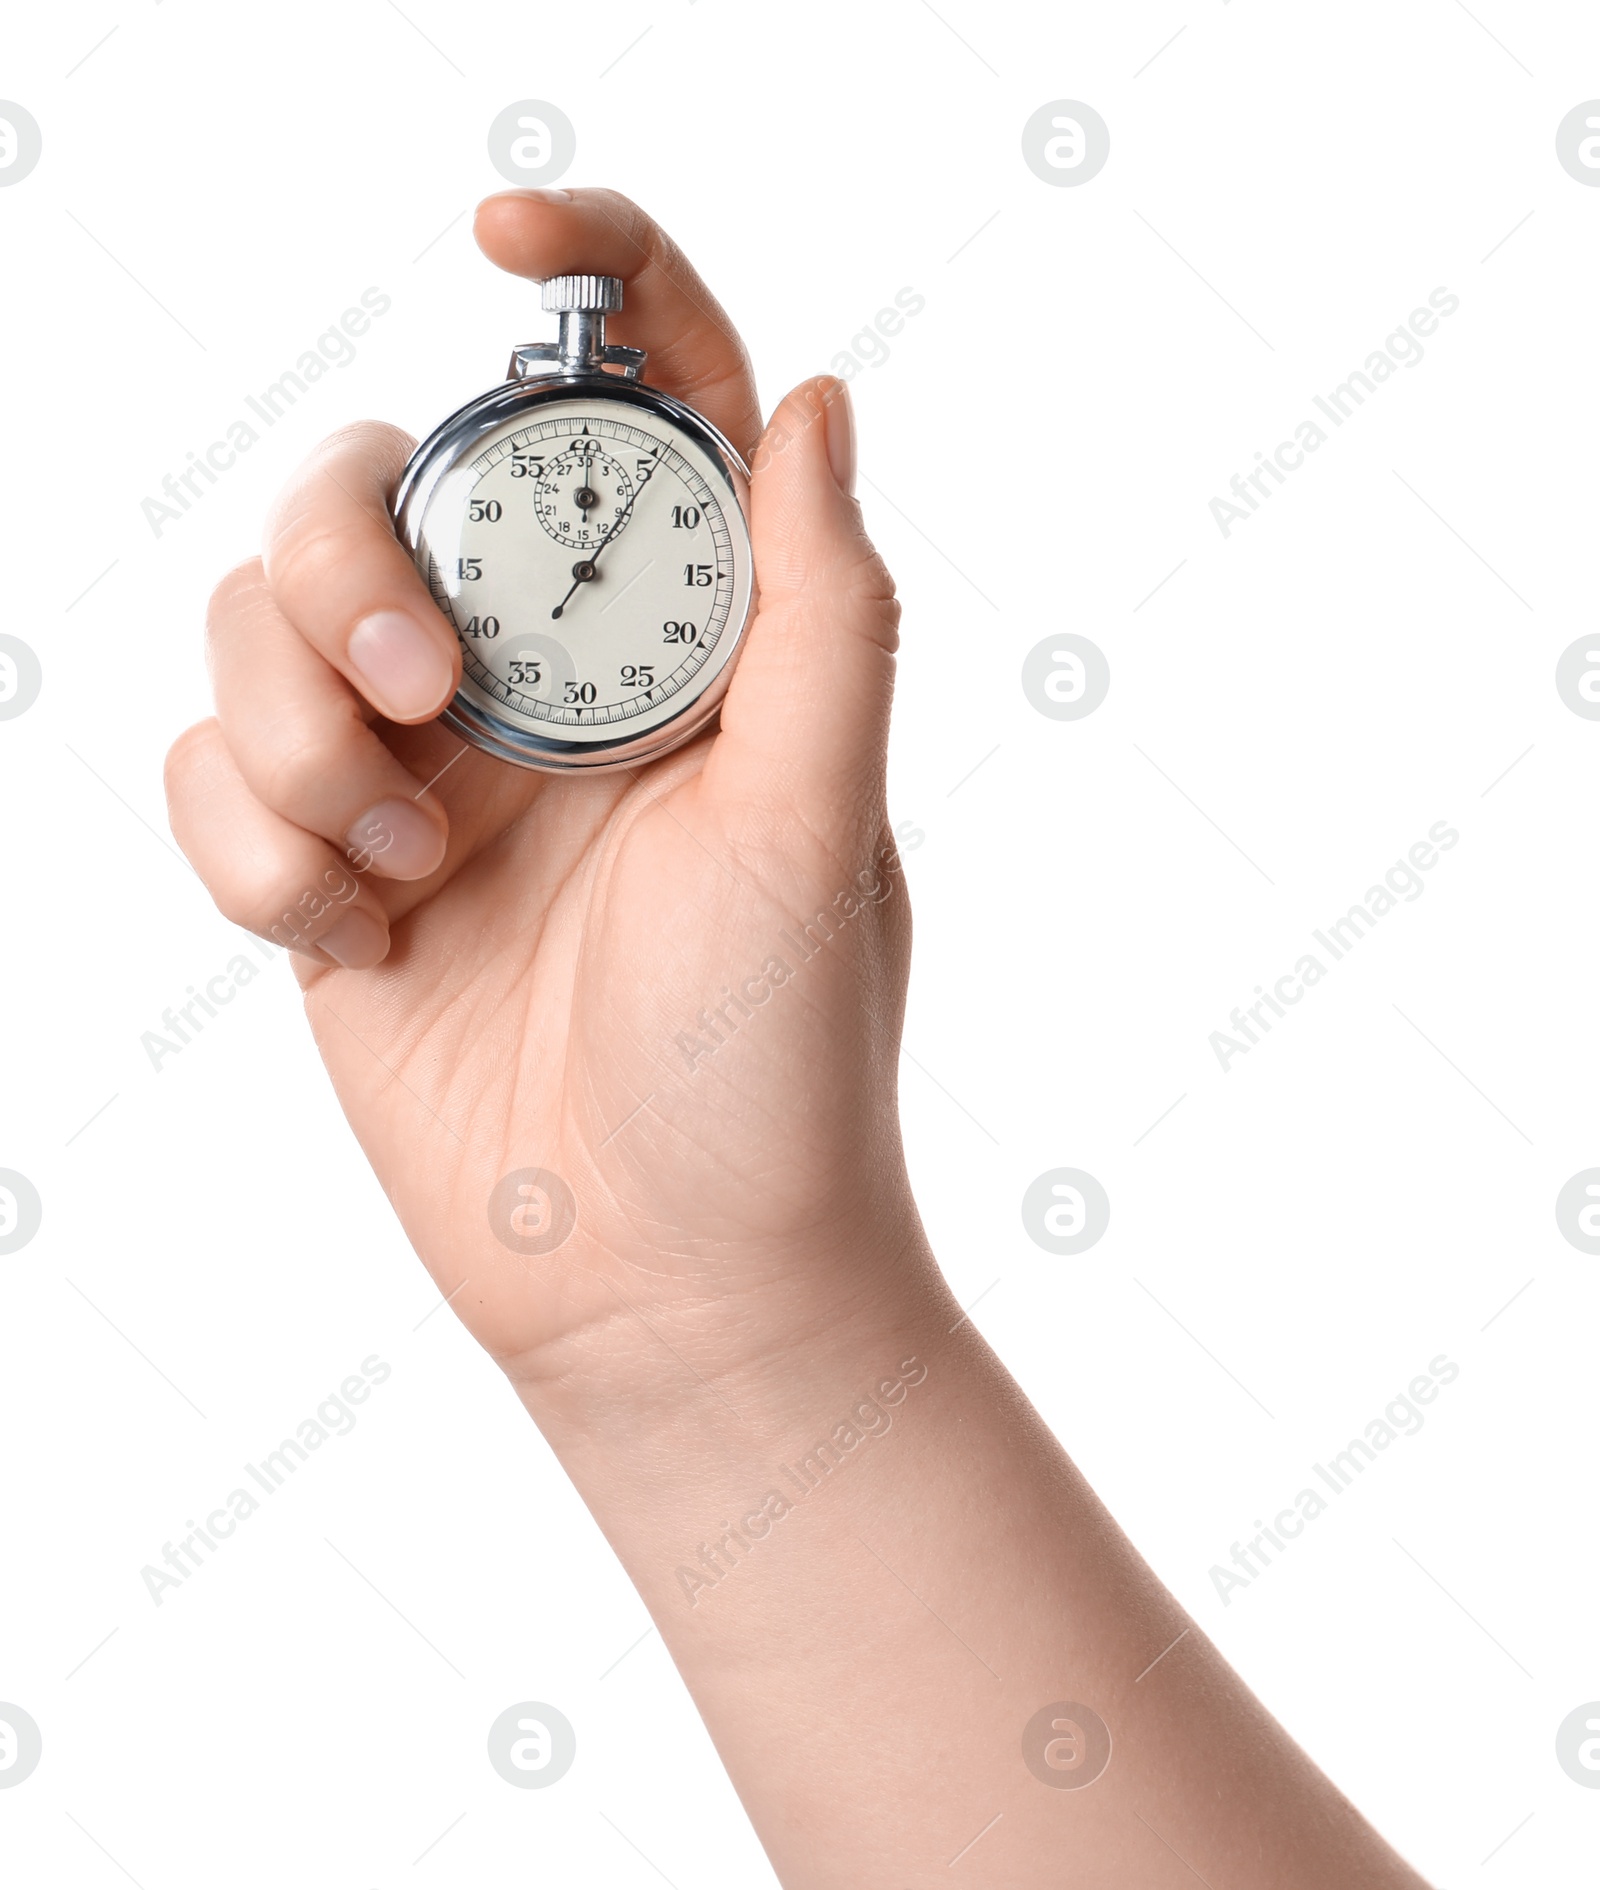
[[586, 536]]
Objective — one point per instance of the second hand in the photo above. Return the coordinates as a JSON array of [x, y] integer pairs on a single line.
[[584, 571]]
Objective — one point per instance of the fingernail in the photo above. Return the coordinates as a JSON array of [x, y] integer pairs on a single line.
[[396, 839], [548, 195], [842, 436], [402, 665], [357, 942]]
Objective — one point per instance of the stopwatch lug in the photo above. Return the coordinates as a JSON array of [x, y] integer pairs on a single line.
[[543, 355], [525, 359]]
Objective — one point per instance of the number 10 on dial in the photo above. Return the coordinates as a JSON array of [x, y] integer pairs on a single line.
[[586, 536]]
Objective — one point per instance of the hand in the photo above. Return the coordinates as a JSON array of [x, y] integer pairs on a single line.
[[507, 970], [608, 977]]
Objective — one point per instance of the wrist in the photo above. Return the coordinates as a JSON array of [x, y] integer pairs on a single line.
[[754, 1351]]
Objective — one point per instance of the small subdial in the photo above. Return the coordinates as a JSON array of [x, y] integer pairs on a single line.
[[582, 497]]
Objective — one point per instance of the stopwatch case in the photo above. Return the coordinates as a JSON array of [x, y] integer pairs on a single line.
[[457, 438]]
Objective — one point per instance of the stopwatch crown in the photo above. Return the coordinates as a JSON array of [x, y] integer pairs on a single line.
[[583, 303], [587, 295]]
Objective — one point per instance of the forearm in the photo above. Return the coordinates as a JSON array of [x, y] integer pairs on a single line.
[[874, 1567]]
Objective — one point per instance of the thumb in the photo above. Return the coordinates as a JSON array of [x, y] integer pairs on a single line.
[[806, 719]]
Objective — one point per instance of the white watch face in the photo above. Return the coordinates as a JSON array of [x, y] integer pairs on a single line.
[[596, 566]]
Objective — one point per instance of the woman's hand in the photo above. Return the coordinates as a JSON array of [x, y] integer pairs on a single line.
[[599, 977], [889, 1592]]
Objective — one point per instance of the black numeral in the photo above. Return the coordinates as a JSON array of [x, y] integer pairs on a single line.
[[482, 627], [686, 517], [679, 632], [527, 465], [638, 676], [580, 692], [469, 569], [697, 575], [525, 673], [481, 509]]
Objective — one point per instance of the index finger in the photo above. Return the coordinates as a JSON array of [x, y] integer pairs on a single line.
[[348, 585], [695, 350]]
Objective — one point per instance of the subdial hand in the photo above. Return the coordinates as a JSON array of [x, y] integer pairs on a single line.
[[586, 496]]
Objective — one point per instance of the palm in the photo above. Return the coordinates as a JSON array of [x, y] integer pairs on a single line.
[[541, 1008]]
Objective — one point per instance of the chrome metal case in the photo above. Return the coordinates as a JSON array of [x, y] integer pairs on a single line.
[[457, 438]]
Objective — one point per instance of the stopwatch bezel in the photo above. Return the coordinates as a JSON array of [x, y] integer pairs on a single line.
[[454, 439]]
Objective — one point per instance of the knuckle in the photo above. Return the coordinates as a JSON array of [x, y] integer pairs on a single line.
[[292, 912], [194, 765], [878, 620], [863, 583], [335, 503], [297, 768], [385, 447], [233, 596], [867, 578], [189, 754], [887, 627], [310, 553], [246, 577], [854, 592], [240, 905]]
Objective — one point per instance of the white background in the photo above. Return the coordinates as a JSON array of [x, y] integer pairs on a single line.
[[1369, 654]]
